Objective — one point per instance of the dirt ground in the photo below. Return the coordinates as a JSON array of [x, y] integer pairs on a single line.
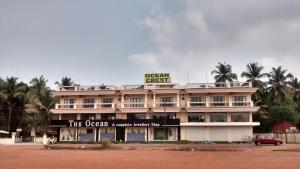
[[152, 157]]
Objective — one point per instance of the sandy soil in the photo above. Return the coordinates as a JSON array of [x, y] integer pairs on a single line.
[[152, 157]]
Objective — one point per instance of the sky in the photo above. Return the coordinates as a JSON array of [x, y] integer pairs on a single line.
[[117, 42]]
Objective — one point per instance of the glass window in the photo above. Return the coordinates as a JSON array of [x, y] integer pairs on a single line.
[[108, 116], [163, 116], [88, 103], [218, 117], [218, 101], [239, 117], [239, 101], [166, 101], [162, 133], [136, 102], [239, 98], [106, 102], [136, 116], [197, 101], [69, 103], [195, 117]]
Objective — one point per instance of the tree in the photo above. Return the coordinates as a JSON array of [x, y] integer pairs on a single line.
[[223, 73], [295, 85], [65, 81], [11, 93], [254, 73], [41, 100], [278, 84]]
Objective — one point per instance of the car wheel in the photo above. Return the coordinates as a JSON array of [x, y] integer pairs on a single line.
[[256, 143], [276, 144]]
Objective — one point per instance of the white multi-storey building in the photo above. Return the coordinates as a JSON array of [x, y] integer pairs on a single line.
[[220, 112]]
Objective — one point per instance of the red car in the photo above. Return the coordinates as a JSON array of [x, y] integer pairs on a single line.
[[261, 139]]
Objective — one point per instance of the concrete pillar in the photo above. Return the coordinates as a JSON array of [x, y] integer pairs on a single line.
[[228, 117], [45, 139], [146, 101], [250, 117], [178, 100], [207, 101], [78, 116], [122, 101], [154, 101], [13, 137], [230, 101]]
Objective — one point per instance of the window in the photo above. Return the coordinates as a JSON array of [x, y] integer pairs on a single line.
[[136, 116], [195, 117], [106, 102], [88, 103], [239, 117], [136, 102], [166, 101], [239, 101], [87, 116], [163, 116], [218, 101], [162, 133], [69, 103], [197, 101], [218, 117], [108, 116]]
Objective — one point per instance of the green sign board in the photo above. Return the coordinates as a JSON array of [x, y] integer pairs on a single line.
[[157, 78]]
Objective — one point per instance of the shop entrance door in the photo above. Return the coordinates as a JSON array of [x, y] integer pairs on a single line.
[[120, 134]]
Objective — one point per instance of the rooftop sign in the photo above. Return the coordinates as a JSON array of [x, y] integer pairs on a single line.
[[157, 78]]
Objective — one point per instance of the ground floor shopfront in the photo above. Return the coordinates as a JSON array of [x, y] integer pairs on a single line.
[[150, 131], [119, 134]]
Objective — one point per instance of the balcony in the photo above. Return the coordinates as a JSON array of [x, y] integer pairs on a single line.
[[242, 104], [219, 85], [219, 104], [86, 88], [165, 104], [197, 104], [134, 105], [84, 106]]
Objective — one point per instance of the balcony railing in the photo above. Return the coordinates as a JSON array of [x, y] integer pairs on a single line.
[[219, 104], [197, 104], [241, 104], [132, 87], [166, 104], [65, 106], [157, 86], [134, 105], [86, 88], [219, 85], [152, 105], [105, 105]]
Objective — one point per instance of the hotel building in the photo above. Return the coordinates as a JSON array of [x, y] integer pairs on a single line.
[[219, 112]]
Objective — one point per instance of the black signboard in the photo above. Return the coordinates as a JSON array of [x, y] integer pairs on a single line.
[[116, 123]]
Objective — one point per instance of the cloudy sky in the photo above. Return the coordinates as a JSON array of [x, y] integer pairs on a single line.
[[116, 42]]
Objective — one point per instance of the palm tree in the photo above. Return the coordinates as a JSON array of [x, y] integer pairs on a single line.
[[65, 81], [11, 93], [278, 84], [41, 100], [254, 73], [295, 85], [224, 73]]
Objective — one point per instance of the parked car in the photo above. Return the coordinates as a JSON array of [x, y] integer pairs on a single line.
[[262, 139]]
